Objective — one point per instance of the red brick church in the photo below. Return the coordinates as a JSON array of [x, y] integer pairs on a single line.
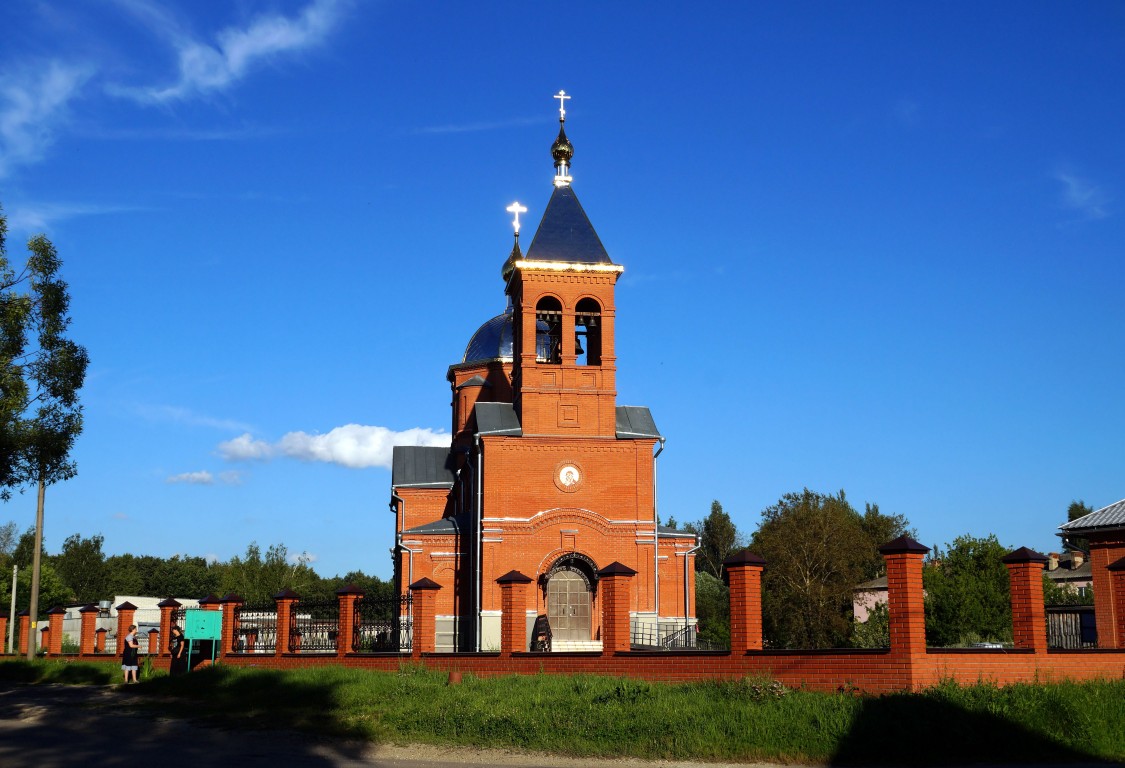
[[546, 475]]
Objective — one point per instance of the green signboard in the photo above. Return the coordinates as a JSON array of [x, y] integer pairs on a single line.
[[201, 624]]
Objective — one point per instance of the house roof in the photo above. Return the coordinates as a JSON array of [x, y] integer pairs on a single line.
[[634, 421], [872, 585], [1112, 516], [664, 530], [416, 466], [497, 419], [447, 525], [565, 233]]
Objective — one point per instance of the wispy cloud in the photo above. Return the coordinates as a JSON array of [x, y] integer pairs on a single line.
[[34, 101], [482, 126], [213, 66], [34, 217], [203, 477], [120, 516], [1082, 195], [177, 415], [353, 445]]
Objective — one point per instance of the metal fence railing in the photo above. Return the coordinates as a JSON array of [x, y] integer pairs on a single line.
[[382, 624], [313, 626], [257, 629]]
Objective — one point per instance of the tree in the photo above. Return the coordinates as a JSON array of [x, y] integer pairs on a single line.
[[41, 372], [967, 592], [81, 564], [712, 609], [257, 579], [817, 548], [718, 539], [1076, 510]]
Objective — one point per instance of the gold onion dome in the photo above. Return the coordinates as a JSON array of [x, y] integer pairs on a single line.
[[562, 150]]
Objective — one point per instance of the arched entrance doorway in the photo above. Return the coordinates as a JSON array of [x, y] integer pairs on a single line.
[[569, 591]]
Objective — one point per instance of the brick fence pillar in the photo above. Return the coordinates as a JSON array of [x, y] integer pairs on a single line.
[[211, 603], [99, 640], [168, 609], [285, 600], [345, 625], [153, 642], [1029, 619], [230, 628], [3, 631], [25, 627], [1117, 579], [743, 574], [1106, 548], [125, 613], [513, 606], [89, 614], [55, 623], [44, 638], [424, 631], [613, 582], [905, 598]]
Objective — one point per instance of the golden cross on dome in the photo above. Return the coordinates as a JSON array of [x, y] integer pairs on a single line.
[[562, 97], [517, 209]]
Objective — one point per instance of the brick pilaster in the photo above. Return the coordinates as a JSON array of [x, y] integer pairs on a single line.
[[1029, 619], [743, 574], [153, 642], [513, 604], [167, 609], [55, 624], [285, 599], [125, 614], [346, 597], [229, 605], [1117, 580], [211, 603], [1106, 549], [905, 598], [99, 640], [613, 583], [25, 627], [3, 631], [89, 614], [424, 631]]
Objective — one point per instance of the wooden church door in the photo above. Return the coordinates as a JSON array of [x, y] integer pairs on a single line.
[[568, 606]]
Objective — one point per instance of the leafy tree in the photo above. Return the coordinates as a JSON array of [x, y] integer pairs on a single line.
[[41, 372], [1064, 594], [182, 576], [52, 589], [718, 539], [81, 564], [876, 631], [712, 609], [257, 579], [817, 549], [1076, 510], [127, 574], [24, 552], [9, 535], [967, 592]]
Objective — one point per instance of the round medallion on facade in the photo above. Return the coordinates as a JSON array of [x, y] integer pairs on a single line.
[[568, 476]]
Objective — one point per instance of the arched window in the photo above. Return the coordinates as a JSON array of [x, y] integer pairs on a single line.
[[588, 332], [548, 330]]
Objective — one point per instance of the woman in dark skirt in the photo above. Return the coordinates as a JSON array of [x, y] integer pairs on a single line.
[[177, 646], [129, 654]]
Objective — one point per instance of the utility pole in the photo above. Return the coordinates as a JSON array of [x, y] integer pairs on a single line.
[[33, 609]]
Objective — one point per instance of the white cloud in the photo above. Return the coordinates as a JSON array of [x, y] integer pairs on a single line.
[[39, 217], [308, 558], [206, 67], [483, 126], [33, 102], [1082, 195], [352, 445], [188, 417], [203, 477], [231, 477]]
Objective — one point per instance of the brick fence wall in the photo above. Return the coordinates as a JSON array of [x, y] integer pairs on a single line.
[[906, 664]]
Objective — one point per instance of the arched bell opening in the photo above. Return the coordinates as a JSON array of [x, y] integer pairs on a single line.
[[588, 332], [548, 330]]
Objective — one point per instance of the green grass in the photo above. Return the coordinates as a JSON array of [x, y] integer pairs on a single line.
[[597, 716]]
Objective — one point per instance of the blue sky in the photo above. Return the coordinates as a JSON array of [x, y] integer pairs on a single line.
[[868, 246]]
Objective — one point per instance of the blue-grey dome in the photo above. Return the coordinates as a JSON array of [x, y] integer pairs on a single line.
[[492, 341]]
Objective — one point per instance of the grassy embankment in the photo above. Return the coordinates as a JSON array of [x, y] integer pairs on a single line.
[[596, 716]]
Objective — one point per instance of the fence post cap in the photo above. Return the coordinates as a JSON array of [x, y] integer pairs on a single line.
[[744, 557], [1023, 555], [424, 584], [286, 594], [1116, 565], [209, 600], [513, 577], [56, 610], [616, 569], [903, 545], [89, 608], [231, 597], [126, 606], [170, 602], [349, 589]]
